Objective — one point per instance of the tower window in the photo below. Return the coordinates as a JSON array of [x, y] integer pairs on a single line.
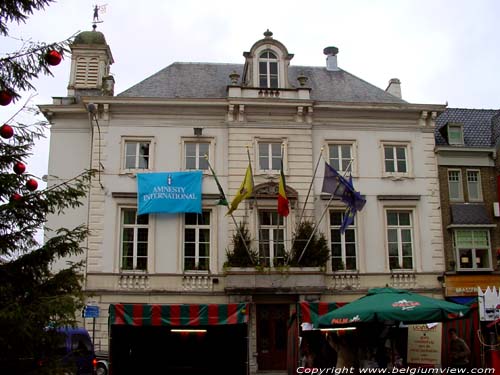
[[268, 70]]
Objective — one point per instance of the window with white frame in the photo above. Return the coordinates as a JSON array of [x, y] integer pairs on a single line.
[[268, 69], [400, 239], [343, 246], [455, 184], [271, 238], [340, 156], [269, 156], [136, 154], [396, 159], [134, 233], [196, 154], [472, 248], [197, 236], [455, 134], [474, 189]]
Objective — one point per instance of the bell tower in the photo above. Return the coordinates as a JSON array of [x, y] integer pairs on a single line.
[[90, 65]]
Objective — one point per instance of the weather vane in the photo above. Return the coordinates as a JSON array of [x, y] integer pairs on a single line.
[[97, 9]]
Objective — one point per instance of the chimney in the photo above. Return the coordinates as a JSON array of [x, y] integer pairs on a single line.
[[394, 87], [331, 58]]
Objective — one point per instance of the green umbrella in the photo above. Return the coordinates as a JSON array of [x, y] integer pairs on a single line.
[[388, 304]]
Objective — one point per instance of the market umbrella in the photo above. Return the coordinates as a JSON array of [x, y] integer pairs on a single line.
[[388, 304]]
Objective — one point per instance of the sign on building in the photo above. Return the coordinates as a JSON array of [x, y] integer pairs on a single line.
[[424, 344], [489, 304]]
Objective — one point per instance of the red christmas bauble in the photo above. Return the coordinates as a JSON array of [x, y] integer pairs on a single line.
[[6, 131], [53, 58], [15, 197], [19, 167], [31, 184], [5, 97]]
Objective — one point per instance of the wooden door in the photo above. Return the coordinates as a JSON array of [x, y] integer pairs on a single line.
[[272, 336]]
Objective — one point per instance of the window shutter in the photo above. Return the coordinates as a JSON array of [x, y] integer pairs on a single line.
[[87, 72]]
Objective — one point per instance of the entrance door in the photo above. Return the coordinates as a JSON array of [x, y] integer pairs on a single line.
[[272, 336]]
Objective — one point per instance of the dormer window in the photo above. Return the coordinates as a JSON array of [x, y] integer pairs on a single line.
[[455, 134], [268, 69]]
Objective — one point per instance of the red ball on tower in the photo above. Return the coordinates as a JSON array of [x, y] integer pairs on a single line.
[[31, 184], [6, 131], [19, 167], [5, 97], [53, 57]]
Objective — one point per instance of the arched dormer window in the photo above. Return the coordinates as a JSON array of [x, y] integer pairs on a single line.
[[268, 70]]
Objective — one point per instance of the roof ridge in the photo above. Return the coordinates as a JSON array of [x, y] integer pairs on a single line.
[[200, 62]]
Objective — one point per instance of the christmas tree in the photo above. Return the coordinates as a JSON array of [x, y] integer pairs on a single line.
[[33, 296]]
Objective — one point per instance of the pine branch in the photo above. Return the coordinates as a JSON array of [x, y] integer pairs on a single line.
[[18, 69], [18, 11]]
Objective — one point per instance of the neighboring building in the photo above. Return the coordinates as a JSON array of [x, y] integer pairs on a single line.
[[166, 269], [466, 147]]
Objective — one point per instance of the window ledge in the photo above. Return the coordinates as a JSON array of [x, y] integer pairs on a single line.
[[402, 270], [132, 173], [475, 270], [195, 272], [133, 272], [398, 177]]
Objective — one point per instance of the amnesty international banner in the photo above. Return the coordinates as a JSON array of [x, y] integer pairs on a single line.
[[169, 192]]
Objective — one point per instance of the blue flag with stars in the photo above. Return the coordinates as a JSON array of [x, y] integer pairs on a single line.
[[169, 192], [339, 186]]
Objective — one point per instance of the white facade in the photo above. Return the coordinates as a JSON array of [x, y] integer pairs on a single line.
[[291, 115]]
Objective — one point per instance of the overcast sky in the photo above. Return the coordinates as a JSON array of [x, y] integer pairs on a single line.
[[442, 51]]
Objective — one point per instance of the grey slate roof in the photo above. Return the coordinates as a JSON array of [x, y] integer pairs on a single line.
[[210, 80], [478, 126], [466, 213]]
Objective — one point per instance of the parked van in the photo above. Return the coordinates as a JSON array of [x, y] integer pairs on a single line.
[[76, 351]]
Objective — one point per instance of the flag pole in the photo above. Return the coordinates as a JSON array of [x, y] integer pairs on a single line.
[[254, 194], [315, 229], [321, 218], [242, 238], [307, 196], [278, 215], [234, 220], [310, 187]]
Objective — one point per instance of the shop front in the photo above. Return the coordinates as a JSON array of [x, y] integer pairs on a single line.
[[179, 339], [476, 330]]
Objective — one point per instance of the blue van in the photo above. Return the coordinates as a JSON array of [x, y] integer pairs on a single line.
[[76, 351]]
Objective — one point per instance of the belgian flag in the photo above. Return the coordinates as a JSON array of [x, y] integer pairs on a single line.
[[283, 205]]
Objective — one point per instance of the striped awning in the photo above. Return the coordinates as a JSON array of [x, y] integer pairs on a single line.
[[311, 311], [178, 314]]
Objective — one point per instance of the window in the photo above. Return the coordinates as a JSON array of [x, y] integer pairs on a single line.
[[343, 246], [268, 70], [455, 184], [271, 239], [395, 159], [400, 239], [137, 154], [269, 156], [340, 157], [472, 249], [134, 240], [197, 241], [455, 134], [194, 155], [474, 185]]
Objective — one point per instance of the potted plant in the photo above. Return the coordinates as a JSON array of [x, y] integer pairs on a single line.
[[241, 255], [316, 253]]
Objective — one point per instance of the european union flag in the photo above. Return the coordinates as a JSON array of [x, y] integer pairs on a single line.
[[339, 186], [169, 192]]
